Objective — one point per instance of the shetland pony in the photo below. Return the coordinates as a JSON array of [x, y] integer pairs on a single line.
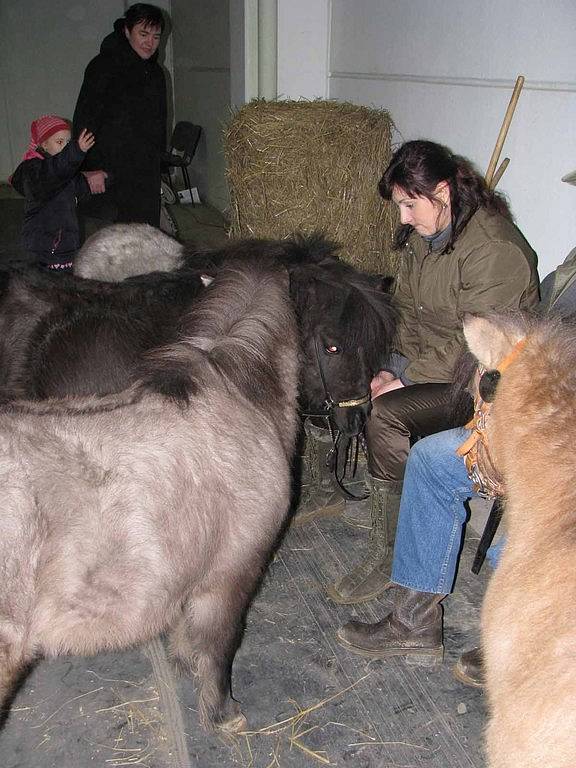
[[529, 612]]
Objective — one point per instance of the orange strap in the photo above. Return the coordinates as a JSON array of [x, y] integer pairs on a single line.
[[475, 449]]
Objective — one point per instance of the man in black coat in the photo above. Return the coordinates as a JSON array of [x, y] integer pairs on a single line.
[[123, 102]]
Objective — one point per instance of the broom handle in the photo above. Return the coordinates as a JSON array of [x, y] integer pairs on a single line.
[[504, 129], [498, 175]]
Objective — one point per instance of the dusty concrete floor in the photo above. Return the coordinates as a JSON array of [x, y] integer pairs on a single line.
[[307, 700]]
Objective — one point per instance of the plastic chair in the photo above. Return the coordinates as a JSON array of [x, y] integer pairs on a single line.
[[185, 138]]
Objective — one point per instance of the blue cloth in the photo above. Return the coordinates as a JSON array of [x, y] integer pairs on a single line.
[[432, 514], [495, 552]]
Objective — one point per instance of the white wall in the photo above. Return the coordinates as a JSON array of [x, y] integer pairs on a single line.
[[445, 70], [45, 49], [303, 38], [201, 51]]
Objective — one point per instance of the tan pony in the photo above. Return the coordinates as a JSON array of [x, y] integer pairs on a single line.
[[529, 613]]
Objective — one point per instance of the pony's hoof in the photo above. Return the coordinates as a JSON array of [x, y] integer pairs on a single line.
[[235, 725]]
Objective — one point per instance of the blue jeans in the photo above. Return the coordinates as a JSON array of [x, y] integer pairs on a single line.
[[432, 514]]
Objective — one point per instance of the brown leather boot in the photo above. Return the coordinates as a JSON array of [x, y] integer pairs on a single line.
[[413, 629], [469, 668], [371, 576]]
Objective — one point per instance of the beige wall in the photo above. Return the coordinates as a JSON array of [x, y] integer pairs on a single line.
[[201, 51], [45, 49]]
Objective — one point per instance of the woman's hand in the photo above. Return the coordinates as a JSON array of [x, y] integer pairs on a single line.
[[86, 140], [96, 181], [384, 381]]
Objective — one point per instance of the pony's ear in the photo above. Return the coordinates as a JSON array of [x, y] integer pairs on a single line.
[[479, 333], [487, 340], [386, 283]]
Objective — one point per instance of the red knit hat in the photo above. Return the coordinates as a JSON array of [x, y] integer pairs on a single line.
[[41, 130]]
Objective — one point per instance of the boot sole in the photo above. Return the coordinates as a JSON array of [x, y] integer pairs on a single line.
[[422, 657], [462, 677], [342, 600], [333, 510]]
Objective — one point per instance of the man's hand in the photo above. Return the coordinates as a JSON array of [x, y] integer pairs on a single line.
[[96, 181]]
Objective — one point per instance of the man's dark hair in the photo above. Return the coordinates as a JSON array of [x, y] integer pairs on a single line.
[[149, 15]]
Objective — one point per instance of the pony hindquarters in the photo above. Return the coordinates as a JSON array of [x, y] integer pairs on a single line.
[[121, 250], [184, 493]]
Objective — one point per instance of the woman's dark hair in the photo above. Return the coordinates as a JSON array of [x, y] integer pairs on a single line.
[[149, 15], [417, 167]]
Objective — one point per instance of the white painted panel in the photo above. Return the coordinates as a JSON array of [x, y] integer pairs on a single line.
[[45, 49], [467, 38], [201, 50], [540, 145], [302, 48], [445, 70]]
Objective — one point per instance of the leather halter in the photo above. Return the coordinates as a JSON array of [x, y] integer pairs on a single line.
[[330, 405], [329, 402], [475, 449]]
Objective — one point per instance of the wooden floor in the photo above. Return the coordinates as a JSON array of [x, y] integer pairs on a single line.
[[308, 701]]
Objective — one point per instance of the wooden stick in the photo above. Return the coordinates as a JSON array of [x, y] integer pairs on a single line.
[[504, 129], [498, 175]]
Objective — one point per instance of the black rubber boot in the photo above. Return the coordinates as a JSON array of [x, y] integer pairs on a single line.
[[319, 496], [469, 668], [413, 629], [371, 576]]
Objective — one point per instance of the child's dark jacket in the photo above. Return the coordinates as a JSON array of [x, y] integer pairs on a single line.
[[52, 188]]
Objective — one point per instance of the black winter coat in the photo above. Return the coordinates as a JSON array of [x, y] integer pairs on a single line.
[[52, 188], [123, 102]]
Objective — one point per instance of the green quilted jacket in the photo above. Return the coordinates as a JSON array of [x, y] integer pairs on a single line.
[[492, 267]]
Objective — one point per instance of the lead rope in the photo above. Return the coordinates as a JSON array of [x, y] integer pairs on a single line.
[[333, 454]]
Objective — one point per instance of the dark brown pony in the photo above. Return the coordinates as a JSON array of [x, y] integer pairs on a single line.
[[67, 335]]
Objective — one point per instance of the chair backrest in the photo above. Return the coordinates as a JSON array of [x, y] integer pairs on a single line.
[[185, 138]]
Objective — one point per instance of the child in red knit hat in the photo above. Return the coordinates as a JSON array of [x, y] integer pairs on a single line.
[[49, 178]]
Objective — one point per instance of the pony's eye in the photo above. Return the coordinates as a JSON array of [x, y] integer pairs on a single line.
[[332, 350]]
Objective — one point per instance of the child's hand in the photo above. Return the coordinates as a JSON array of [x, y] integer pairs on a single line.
[[96, 181], [86, 140]]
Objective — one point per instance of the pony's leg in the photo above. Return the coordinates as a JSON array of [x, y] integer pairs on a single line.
[[204, 642], [12, 666]]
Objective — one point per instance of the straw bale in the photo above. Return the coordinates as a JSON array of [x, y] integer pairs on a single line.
[[304, 166]]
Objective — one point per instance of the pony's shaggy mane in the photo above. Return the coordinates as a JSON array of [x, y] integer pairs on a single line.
[[233, 331]]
